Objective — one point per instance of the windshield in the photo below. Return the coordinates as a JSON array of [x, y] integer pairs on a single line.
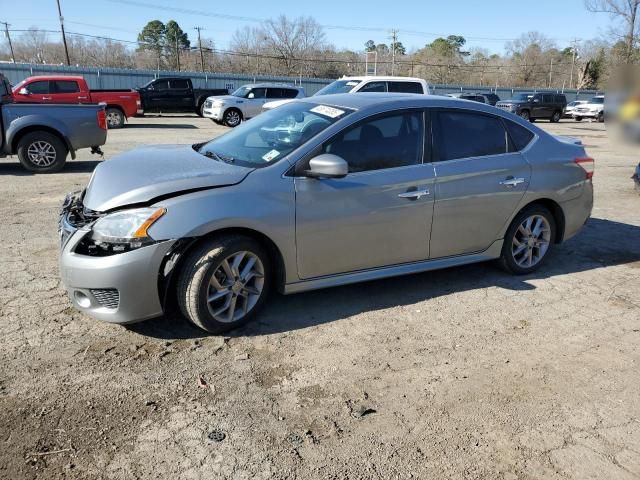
[[598, 100], [523, 97], [242, 92], [17, 87], [339, 86], [273, 134]]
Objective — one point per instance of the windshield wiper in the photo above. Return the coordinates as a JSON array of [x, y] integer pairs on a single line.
[[217, 156]]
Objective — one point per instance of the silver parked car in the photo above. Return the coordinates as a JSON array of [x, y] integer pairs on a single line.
[[321, 192]]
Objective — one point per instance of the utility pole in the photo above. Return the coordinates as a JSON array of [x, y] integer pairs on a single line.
[[64, 38], [6, 31], [550, 73], [200, 46], [394, 41], [573, 63], [177, 53]]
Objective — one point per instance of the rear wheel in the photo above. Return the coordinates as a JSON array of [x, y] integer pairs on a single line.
[[528, 240], [115, 118], [224, 282], [525, 115], [601, 117], [42, 152], [556, 117]]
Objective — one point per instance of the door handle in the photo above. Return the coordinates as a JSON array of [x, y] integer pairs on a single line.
[[46, 98], [512, 182], [415, 194], [82, 98]]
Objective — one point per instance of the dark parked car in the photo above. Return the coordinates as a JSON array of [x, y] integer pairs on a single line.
[[43, 135], [490, 98], [175, 94], [474, 97], [534, 106]]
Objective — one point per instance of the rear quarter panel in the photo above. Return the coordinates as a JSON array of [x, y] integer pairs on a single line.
[[126, 100]]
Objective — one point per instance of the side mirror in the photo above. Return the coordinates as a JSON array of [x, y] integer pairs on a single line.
[[251, 95], [327, 165], [24, 91]]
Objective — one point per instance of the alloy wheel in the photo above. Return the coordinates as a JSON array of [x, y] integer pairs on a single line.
[[531, 241], [114, 119], [235, 287], [41, 153], [232, 118]]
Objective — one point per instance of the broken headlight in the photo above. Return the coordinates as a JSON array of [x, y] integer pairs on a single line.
[[125, 230]]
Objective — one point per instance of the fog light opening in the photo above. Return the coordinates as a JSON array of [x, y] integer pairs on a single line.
[[81, 299]]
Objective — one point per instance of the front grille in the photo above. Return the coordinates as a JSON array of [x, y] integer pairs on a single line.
[[504, 107], [107, 297]]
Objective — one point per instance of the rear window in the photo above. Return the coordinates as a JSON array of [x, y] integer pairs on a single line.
[[561, 99], [405, 87], [467, 134], [520, 136], [66, 86]]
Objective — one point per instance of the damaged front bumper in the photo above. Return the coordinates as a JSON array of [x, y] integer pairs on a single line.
[[119, 288]]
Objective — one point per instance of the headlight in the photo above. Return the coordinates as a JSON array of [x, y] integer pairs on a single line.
[[125, 230]]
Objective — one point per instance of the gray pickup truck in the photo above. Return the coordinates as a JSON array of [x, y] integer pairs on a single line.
[[43, 135]]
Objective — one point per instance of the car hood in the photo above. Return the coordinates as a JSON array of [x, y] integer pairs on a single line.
[[277, 103], [511, 102], [146, 173], [227, 99]]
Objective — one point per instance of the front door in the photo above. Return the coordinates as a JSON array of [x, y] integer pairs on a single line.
[[380, 213], [256, 98], [38, 91], [480, 181]]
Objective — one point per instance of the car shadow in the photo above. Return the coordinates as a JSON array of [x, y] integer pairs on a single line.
[[184, 126], [602, 243], [72, 166]]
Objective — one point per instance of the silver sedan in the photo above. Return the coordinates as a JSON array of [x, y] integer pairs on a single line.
[[321, 192]]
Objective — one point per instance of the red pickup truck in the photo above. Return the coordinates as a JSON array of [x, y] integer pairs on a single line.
[[120, 104]]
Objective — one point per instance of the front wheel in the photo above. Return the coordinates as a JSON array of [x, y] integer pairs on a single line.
[[200, 110], [232, 118], [601, 117], [525, 115], [528, 240], [577, 119], [42, 152], [224, 282]]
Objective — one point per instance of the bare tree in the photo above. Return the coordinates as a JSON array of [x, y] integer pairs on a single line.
[[625, 11]]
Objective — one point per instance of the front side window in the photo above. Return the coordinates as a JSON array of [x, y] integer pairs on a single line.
[[405, 87], [374, 87], [66, 86], [272, 135], [40, 87], [161, 85], [387, 142], [257, 93], [466, 135]]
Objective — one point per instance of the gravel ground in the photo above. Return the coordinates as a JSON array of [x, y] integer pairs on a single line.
[[463, 373]]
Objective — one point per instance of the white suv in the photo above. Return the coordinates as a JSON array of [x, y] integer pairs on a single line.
[[367, 84], [594, 109], [246, 102]]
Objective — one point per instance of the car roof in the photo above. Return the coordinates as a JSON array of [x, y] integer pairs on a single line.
[[267, 84], [362, 78], [56, 77], [389, 101]]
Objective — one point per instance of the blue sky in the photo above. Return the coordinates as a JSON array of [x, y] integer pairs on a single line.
[[486, 23]]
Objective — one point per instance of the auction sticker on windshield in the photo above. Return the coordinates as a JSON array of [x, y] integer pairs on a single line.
[[327, 111], [267, 157]]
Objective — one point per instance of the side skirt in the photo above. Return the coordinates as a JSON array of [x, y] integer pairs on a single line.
[[490, 253]]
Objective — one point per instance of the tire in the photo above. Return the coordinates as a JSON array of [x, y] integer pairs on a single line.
[[200, 110], [525, 115], [578, 119], [42, 152], [232, 117], [515, 257], [601, 117], [205, 265], [115, 118], [556, 117]]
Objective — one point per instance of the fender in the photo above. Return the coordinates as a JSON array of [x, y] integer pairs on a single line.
[[32, 122]]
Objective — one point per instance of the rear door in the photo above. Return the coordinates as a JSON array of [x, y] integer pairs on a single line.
[[181, 95], [380, 213], [68, 91], [480, 180]]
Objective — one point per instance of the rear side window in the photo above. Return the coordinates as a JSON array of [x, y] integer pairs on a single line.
[[289, 93], [39, 87], [561, 99], [547, 98], [374, 87], [179, 84], [405, 87], [467, 134], [520, 136], [66, 86]]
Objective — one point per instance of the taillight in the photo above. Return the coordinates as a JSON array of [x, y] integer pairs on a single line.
[[588, 164], [102, 119]]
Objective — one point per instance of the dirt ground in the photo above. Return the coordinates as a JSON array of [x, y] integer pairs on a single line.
[[467, 373]]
